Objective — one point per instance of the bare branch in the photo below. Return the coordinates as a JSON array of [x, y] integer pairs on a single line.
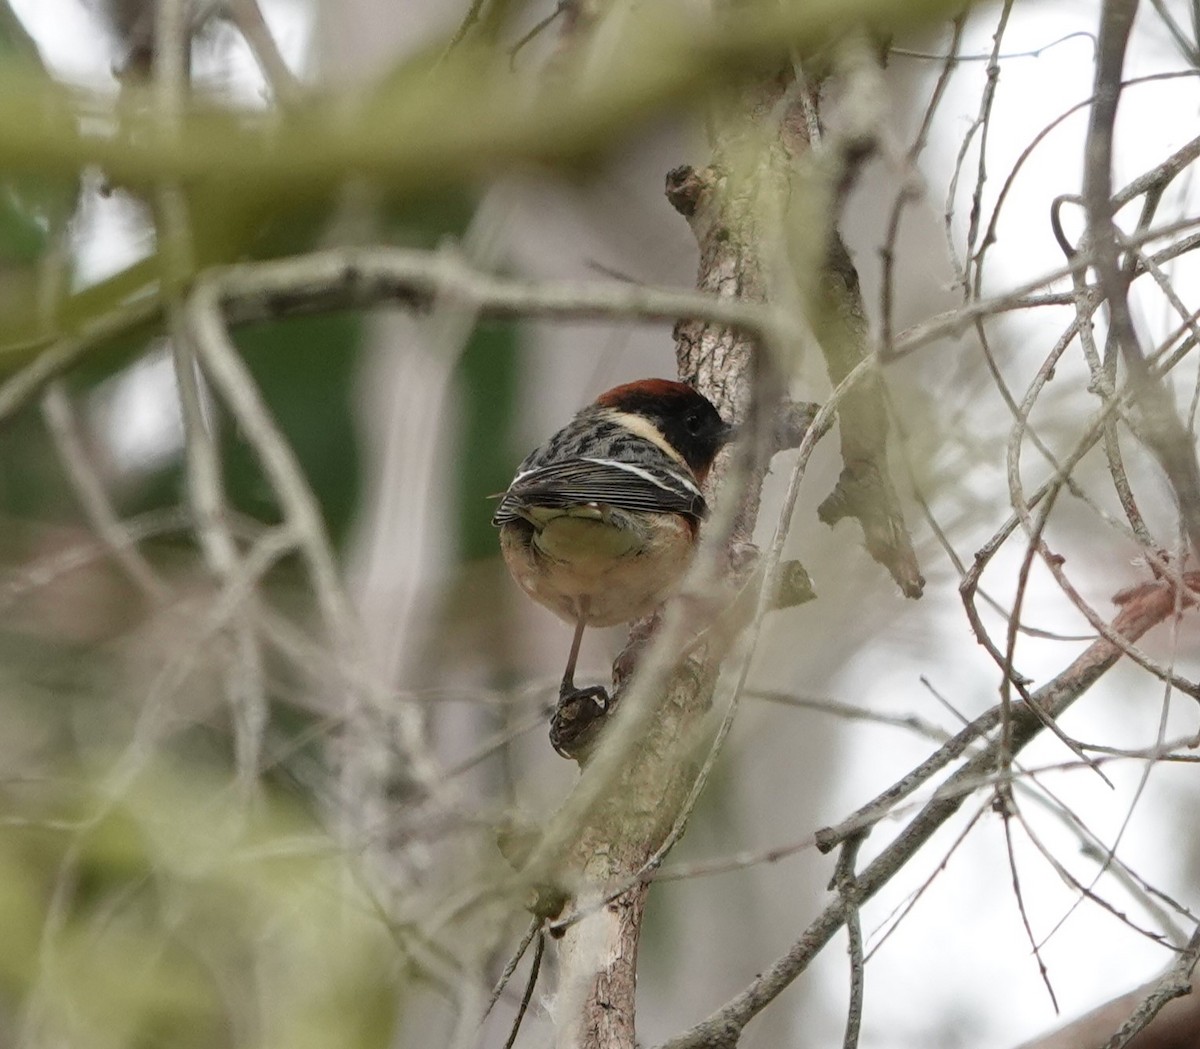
[[236, 385], [1142, 609], [63, 425], [1151, 1017], [284, 84], [1159, 424]]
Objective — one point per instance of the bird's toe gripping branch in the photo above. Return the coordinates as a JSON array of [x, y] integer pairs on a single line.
[[576, 720]]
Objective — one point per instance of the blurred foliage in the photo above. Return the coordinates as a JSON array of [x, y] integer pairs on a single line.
[[173, 915], [33, 207], [437, 125], [305, 367], [438, 119], [32, 482], [489, 375], [163, 909], [34, 210]]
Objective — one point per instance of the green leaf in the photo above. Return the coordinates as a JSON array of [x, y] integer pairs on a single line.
[[306, 369], [489, 399]]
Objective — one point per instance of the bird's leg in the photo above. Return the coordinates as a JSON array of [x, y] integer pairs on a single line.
[[568, 681], [578, 709], [567, 689]]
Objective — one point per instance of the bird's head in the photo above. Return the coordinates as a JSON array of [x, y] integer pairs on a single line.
[[672, 415]]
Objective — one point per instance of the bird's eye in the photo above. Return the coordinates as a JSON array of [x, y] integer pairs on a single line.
[[693, 423]]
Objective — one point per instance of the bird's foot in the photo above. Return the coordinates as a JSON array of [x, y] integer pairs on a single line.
[[577, 718]]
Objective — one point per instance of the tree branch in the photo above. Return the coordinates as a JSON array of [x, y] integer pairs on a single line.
[[732, 219], [737, 209], [1159, 425], [403, 136], [1164, 1014], [1141, 608]]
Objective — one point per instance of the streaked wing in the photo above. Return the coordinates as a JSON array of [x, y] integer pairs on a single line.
[[625, 486]]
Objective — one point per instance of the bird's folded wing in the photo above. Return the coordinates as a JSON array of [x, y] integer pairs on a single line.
[[607, 482]]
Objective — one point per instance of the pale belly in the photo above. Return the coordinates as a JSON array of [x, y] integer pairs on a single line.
[[603, 569]]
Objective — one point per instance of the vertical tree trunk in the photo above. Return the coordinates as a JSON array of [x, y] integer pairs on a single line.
[[762, 218]]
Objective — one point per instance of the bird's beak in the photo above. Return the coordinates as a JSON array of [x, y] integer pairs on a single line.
[[727, 434]]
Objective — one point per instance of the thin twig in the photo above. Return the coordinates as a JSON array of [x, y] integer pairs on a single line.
[[1141, 611], [233, 380], [510, 967], [851, 712], [469, 21], [845, 883], [284, 84], [1009, 809], [61, 421], [1175, 984], [535, 31], [1160, 426], [538, 948]]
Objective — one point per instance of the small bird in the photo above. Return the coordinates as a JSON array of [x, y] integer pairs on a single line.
[[600, 522]]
